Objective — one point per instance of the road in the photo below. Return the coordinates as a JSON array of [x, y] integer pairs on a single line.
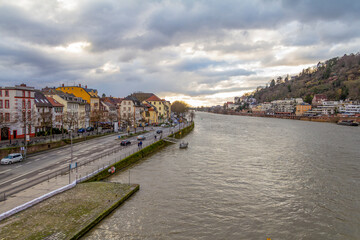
[[41, 166]]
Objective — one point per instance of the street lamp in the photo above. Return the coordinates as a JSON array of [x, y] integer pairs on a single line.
[[71, 158]]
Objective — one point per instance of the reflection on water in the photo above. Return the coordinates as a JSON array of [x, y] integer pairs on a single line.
[[246, 178]]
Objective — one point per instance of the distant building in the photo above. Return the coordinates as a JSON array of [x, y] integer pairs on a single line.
[[88, 94], [302, 108], [318, 99]]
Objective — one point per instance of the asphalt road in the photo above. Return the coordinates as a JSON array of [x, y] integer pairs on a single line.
[[40, 166]]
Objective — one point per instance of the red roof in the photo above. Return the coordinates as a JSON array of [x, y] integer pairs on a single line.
[[54, 102], [154, 98]]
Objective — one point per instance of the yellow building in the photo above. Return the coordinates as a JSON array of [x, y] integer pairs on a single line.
[[150, 114], [162, 112], [89, 95], [302, 108]]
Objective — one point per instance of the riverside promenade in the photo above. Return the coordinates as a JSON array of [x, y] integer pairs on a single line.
[[76, 175]]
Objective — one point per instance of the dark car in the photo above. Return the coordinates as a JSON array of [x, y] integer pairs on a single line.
[[89, 129], [81, 130], [159, 131], [125, 142]]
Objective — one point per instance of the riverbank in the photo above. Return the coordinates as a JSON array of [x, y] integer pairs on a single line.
[[328, 119], [68, 215]]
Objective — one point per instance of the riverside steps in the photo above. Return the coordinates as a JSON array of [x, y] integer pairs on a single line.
[[47, 209]]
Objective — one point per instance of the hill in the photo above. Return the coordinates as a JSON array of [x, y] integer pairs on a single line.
[[337, 78]]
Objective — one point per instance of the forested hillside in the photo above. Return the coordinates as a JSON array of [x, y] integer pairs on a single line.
[[337, 78]]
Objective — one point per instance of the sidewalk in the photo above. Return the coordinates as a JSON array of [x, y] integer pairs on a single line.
[[82, 171]]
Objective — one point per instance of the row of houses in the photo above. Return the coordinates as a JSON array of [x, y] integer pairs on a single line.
[[26, 111], [320, 106]]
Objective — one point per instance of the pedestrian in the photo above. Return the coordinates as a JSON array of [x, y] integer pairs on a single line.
[[155, 136], [140, 144]]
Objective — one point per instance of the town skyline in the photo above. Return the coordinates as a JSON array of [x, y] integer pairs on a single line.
[[201, 52]]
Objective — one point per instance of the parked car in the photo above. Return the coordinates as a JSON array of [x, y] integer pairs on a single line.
[[141, 137], [81, 130], [159, 131], [125, 142], [89, 129], [12, 158]]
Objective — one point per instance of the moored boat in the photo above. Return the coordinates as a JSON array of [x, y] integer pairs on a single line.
[[184, 144], [348, 123]]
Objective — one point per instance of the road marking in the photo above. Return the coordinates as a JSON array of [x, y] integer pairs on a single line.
[[19, 181], [36, 160], [28, 163], [6, 171], [18, 166], [44, 172]]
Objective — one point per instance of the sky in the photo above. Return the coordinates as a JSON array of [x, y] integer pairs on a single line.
[[203, 52]]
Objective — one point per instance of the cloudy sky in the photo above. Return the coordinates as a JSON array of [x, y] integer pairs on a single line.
[[204, 52]]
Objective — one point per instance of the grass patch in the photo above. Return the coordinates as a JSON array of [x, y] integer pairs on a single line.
[[67, 215]]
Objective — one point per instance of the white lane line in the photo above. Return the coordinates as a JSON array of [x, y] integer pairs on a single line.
[[28, 163], [36, 160], [18, 166], [5, 171], [44, 172], [19, 181]]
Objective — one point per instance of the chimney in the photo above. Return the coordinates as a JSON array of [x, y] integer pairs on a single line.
[[63, 85], [79, 85], [85, 86], [23, 85]]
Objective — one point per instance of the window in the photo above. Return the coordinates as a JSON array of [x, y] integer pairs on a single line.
[[23, 93], [29, 94], [23, 104], [0, 93], [160, 108], [1, 117], [1, 104], [6, 93], [7, 117], [129, 108], [29, 104], [7, 105]]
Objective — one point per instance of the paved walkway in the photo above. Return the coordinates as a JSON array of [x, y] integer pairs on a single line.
[[82, 171]]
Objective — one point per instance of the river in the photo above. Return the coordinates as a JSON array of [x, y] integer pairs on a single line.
[[245, 178]]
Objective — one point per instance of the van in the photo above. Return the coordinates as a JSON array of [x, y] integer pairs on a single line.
[[12, 158]]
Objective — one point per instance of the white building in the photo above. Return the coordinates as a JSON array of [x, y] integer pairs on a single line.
[[131, 110], [17, 112]]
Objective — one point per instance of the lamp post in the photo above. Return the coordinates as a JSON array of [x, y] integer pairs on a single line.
[[71, 156]]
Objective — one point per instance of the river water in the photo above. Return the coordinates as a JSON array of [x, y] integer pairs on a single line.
[[245, 178]]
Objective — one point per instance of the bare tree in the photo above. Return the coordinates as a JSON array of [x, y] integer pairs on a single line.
[[96, 116], [70, 120]]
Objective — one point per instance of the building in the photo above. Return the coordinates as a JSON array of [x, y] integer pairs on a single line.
[[57, 112], [318, 99], [88, 94], [75, 110], [349, 109], [161, 107], [44, 112], [17, 112], [131, 111], [302, 108], [286, 105]]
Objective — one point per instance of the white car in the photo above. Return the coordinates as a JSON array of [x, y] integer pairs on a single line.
[[12, 158]]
